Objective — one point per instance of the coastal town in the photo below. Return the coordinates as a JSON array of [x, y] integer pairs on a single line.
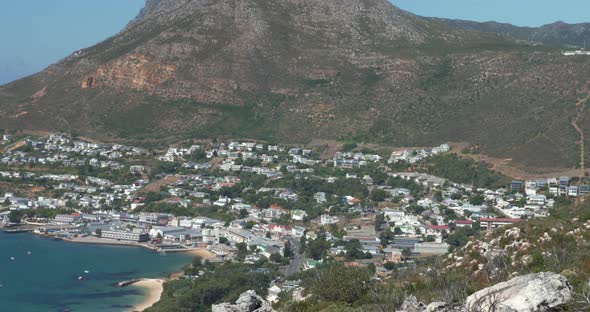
[[296, 207]]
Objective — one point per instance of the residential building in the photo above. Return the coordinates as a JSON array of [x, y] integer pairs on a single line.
[[68, 218], [126, 236], [493, 223]]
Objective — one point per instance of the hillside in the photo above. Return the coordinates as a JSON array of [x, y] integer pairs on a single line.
[[529, 251], [292, 71], [558, 33]]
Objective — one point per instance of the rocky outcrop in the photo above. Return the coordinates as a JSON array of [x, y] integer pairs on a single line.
[[529, 293], [248, 301], [411, 304], [532, 292]]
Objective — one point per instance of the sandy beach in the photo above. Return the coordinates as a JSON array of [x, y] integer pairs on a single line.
[[203, 253], [154, 288]]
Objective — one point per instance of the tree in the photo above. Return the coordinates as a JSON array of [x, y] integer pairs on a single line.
[[242, 250], [406, 254], [397, 231], [197, 262], [223, 240], [243, 213], [379, 220], [275, 257], [378, 195], [249, 225], [372, 268], [98, 232], [349, 146], [318, 248], [15, 216], [476, 200], [302, 244], [354, 250], [385, 237], [287, 251]]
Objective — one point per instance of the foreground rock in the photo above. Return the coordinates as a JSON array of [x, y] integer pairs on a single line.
[[532, 292], [249, 301], [528, 293]]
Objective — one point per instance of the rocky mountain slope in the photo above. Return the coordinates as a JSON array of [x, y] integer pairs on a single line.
[[558, 33], [293, 70], [545, 291]]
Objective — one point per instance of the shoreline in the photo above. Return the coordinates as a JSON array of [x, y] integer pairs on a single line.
[[153, 287], [103, 241]]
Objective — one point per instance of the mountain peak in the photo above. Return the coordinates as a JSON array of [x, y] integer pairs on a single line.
[[294, 70]]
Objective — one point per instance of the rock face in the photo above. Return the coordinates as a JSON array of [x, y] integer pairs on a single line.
[[411, 304], [248, 301], [528, 293], [532, 292]]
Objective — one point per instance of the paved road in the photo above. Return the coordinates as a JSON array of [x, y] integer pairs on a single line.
[[296, 262]]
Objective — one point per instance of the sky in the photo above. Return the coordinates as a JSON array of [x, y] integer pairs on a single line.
[[37, 33], [517, 12]]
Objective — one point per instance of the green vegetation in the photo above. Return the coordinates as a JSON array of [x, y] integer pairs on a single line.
[[219, 283], [16, 215], [339, 283], [467, 171]]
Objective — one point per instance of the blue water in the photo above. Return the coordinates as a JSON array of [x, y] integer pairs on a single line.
[[47, 279]]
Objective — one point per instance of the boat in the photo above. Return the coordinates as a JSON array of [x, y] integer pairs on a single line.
[[12, 258], [86, 271], [28, 252]]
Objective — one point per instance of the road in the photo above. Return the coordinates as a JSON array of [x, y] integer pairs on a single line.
[[296, 261], [580, 105]]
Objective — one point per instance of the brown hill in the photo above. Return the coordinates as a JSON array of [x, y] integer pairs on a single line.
[[293, 70]]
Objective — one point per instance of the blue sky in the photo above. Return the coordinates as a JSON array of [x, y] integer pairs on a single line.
[[517, 12], [36, 33]]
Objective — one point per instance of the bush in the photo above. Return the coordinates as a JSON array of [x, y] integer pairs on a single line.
[[340, 283]]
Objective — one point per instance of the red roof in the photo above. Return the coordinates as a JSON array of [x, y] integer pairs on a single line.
[[276, 207], [509, 220], [75, 214], [438, 227], [463, 222], [279, 226]]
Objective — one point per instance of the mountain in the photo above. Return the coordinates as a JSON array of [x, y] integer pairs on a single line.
[[295, 70], [558, 33]]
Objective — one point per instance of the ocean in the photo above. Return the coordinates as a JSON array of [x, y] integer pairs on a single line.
[[40, 274]]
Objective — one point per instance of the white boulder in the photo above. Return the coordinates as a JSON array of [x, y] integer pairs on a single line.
[[528, 293]]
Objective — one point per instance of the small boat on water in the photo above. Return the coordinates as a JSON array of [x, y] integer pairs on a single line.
[[28, 252], [86, 271], [12, 258]]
